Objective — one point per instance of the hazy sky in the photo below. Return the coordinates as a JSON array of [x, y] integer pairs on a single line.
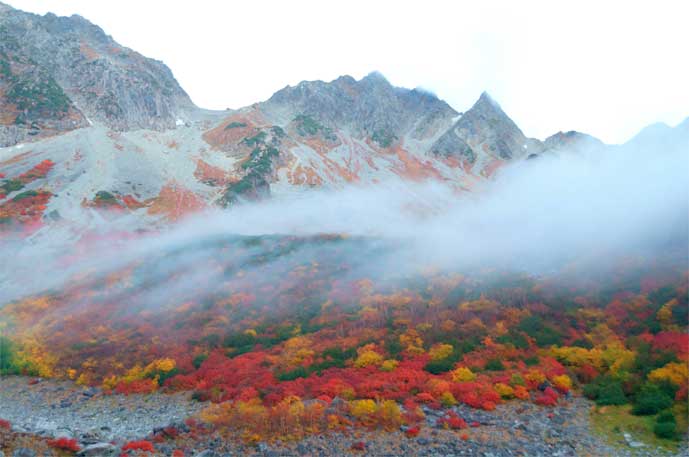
[[607, 68]]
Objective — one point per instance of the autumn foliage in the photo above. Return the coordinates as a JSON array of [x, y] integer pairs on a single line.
[[282, 347]]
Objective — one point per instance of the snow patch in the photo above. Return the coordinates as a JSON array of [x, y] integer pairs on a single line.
[[179, 122]]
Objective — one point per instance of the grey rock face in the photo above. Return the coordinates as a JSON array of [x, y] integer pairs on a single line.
[[485, 128], [23, 452], [371, 107], [450, 144], [58, 72], [32, 104]]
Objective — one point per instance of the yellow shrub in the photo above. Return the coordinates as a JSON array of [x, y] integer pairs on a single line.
[[675, 372], [504, 390], [576, 356], [412, 342], [562, 382], [440, 351], [362, 408], [617, 357], [158, 365], [463, 374], [296, 350], [368, 356], [447, 399], [390, 414], [135, 373], [535, 376], [389, 365], [110, 382]]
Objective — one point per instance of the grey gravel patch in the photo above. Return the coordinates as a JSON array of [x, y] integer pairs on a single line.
[[62, 409]]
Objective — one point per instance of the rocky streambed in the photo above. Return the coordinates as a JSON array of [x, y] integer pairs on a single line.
[[102, 423]]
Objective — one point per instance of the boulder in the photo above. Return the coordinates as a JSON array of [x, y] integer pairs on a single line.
[[98, 450]]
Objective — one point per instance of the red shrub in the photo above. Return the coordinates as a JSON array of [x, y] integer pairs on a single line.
[[412, 432], [359, 446], [141, 445], [142, 386], [171, 431], [548, 398], [5, 424], [587, 373], [66, 444], [453, 421], [425, 397], [488, 405]]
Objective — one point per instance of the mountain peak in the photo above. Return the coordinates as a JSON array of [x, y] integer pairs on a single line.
[[485, 98], [375, 77], [486, 103], [484, 127]]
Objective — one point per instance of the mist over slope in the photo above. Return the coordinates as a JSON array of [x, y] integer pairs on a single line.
[[536, 216]]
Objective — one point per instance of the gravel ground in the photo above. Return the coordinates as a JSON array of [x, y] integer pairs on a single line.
[[57, 409]]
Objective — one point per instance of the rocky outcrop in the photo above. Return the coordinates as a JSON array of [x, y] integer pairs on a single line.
[[59, 72]]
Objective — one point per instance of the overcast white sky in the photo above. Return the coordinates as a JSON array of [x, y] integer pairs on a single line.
[[607, 68]]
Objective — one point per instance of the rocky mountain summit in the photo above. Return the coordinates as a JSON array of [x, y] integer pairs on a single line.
[[369, 107], [59, 73]]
